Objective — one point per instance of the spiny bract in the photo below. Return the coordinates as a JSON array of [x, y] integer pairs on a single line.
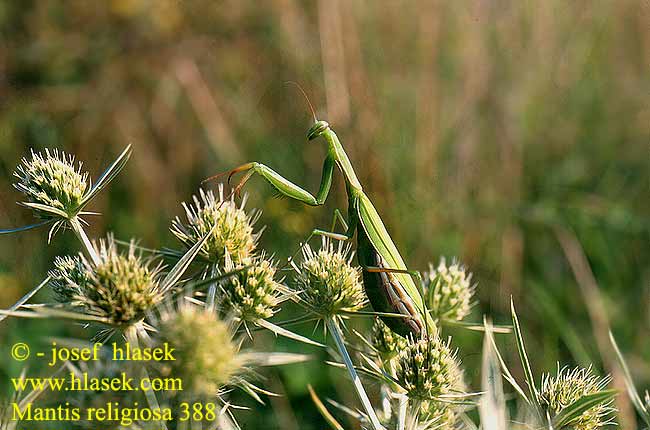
[[233, 234], [253, 292], [327, 281], [427, 369], [52, 180], [558, 392], [431, 415], [69, 278], [206, 356], [438, 415], [448, 291]]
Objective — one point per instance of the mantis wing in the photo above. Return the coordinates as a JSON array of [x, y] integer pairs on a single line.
[[383, 244]]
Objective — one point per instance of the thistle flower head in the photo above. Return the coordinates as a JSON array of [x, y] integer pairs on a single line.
[[52, 180], [252, 293], [68, 278], [120, 289], [233, 235], [427, 368], [387, 343], [448, 291], [558, 392], [327, 281], [206, 357]]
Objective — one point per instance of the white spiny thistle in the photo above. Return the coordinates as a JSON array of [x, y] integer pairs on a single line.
[[119, 289], [253, 292], [427, 369], [448, 290], [387, 343], [568, 385], [326, 280], [52, 180], [233, 235], [207, 356]]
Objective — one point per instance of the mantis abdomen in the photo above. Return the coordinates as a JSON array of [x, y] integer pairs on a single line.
[[385, 291]]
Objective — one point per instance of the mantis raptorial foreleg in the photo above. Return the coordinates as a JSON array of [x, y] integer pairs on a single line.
[[284, 186]]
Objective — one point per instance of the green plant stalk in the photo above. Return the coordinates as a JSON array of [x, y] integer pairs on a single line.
[[76, 226], [356, 381], [212, 289], [401, 414], [415, 411], [132, 335]]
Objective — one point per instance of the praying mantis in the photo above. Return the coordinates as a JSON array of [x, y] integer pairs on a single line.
[[391, 288]]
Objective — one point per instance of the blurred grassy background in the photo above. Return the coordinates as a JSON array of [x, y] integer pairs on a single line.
[[513, 135]]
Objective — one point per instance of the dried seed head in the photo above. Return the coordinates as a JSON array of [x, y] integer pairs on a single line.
[[448, 291], [121, 288], [69, 278], [253, 293], [387, 343], [558, 392], [327, 281], [427, 368], [233, 235], [206, 357], [52, 180]]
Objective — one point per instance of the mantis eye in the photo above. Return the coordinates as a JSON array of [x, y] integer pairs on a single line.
[[317, 129]]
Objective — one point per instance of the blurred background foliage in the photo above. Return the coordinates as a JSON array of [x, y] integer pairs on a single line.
[[512, 135]]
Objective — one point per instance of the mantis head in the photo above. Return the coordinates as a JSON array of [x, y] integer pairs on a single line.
[[317, 129]]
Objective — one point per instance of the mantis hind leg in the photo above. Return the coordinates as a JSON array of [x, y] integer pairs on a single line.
[[417, 277]]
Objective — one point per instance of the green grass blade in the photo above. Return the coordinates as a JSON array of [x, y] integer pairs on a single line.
[[502, 329], [108, 175], [323, 410], [492, 406], [179, 268], [506, 373], [641, 408], [287, 333], [572, 412], [26, 297], [530, 380]]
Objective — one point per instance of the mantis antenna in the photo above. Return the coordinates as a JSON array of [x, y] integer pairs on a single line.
[[311, 107]]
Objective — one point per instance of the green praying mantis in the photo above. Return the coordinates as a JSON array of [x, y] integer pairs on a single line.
[[392, 289]]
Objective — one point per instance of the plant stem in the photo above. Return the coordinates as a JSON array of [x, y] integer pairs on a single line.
[[81, 235], [356, 381], [132, 336], [212, 290], [401, 413], [413, 418]]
